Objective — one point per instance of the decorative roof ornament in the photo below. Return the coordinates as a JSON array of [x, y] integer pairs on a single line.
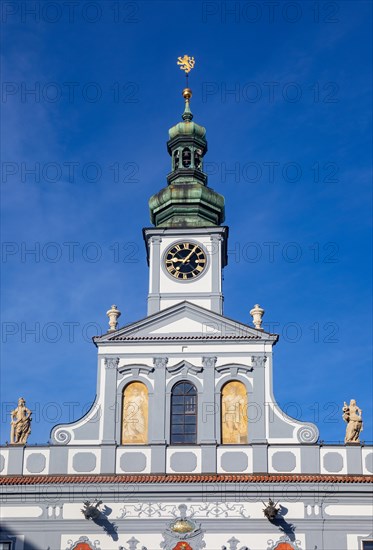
[[352, 414], [257, 314], [186, 64], [113, 315], [20, 423], [187, 202]]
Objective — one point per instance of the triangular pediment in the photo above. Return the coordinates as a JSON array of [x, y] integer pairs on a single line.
[[185, 321]]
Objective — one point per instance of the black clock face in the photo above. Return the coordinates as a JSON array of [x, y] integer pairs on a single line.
[[185, 261]]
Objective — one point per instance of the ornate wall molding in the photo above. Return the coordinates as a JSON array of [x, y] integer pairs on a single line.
[[307, 433], [233, 544], [132, 544], [136, 369], [160, 362], [62, 436], [198, 510], [258, 361], [234, 368], [111, 362], [184, 367], [209, 362], [184, 529], [95, 545], [283, 540]]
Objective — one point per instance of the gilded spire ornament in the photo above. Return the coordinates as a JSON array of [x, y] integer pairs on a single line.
[[186, 64], [186, 201]]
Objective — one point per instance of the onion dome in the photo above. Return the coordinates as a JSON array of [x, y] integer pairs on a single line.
[[187, 201], [187, 127]]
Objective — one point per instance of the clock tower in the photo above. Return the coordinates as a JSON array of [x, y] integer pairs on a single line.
[[187, 248]]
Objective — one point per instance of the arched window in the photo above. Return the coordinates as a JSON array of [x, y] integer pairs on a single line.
[[176, 159], [234, 413], [135, 414], [183, 414], [186, 157], [198, 159]]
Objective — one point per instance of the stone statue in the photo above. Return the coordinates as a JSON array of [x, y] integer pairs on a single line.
[[20, 425], [352, 415]]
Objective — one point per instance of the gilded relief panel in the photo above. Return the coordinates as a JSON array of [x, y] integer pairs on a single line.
[[234, 413], [135, 414]]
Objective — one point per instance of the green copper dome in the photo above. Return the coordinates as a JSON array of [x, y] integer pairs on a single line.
[[187, 129], [187, 201], [189, 205]]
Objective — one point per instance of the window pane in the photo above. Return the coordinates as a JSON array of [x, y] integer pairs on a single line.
[[189, 438], [177, 439], [368, 545], [178, 409], [190, 429], [190, 405], [178, 400], [183, 413], [178, 389], [177, 429], [177, 419]]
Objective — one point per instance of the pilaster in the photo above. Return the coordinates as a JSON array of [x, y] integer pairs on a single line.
[[154, 274], [15, 459], [110, 405], [260, 458], [207, 432], [354, 459], [257, 418], [157, 435]]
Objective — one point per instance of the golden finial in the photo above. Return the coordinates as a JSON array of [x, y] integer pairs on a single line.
[[186, 64]]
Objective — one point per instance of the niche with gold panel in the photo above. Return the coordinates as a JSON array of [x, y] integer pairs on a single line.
[[135, 414], [234, 413]]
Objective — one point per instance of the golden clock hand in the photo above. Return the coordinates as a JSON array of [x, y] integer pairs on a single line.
[[189, 255]]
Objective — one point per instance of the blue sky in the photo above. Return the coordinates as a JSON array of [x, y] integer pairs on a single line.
[[284, 90]]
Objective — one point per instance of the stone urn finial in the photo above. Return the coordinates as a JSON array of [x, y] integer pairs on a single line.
[[257, 314], [113, 315]]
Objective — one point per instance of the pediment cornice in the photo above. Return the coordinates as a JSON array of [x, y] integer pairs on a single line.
[[213, 326]]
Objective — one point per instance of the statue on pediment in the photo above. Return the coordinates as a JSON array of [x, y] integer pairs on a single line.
[[20, 425], [352, 414]]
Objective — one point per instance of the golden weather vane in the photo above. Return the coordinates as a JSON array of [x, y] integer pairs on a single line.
[[186, 64]]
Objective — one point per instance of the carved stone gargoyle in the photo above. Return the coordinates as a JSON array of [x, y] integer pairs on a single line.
[[91, 510], [270, 510]]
